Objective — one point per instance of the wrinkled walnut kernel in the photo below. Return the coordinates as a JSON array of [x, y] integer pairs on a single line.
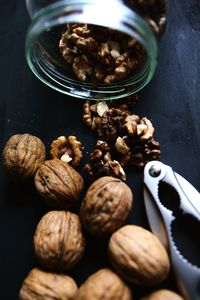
[[101, 163], [98, 54], [143, 152], [68, 149], [104, 55], [93, 111], [138, 146], [153, 11], [112, 123], [130, 140]]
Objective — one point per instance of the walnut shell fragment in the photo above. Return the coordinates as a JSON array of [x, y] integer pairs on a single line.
[[58, 183], [163, 294], [138, 256], [44, 285], [23, 154], [104, 285], [58, 241], [106, 205]]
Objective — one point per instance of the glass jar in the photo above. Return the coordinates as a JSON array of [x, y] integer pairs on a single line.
[[49, 18]]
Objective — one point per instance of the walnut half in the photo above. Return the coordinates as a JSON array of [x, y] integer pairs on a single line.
[[68, 149]]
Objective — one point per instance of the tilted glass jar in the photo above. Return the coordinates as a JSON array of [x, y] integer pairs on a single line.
[[44, 57]]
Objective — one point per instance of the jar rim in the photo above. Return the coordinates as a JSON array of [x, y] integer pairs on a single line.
[[70, 11]]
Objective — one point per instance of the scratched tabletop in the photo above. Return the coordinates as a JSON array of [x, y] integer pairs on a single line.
[[171, 101]]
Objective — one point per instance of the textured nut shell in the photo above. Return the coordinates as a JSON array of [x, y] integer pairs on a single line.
[[41, 285], [138, 255], [23, 154], [58, 241], [104, 285], [58, 183], [106, 205], [163, 295]]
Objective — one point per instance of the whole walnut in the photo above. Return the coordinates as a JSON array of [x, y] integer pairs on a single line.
[[163, 295], [58, 241], [23, 154], [58, 183], [44, 285], [106, 205], [104, 285], [138, 256]]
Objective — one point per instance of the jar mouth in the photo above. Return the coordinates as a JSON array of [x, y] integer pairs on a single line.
[[42, 32]]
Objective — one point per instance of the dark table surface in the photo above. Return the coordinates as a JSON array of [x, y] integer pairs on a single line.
[[171, 101]]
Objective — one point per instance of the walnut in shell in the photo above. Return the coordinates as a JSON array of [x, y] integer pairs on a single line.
[[138, 256], [23, 154], [106, 205], [58, 183], [58, 241], [104, 285], [44, 285], [163, 295]]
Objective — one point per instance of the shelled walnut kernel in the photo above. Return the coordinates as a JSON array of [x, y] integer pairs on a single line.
[[153, 11], [99, 54], [101, 163], [93, 111], [124, 138], [58, 241], [40, 284], [68, 149], [103, 55]]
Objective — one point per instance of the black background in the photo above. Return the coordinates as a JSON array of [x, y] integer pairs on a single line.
[[171, 101]]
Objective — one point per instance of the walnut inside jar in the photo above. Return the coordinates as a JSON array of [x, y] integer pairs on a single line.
[[23, 154], [153, 11], [98, 54], [40, 284], [103, 55], [58, 241]]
